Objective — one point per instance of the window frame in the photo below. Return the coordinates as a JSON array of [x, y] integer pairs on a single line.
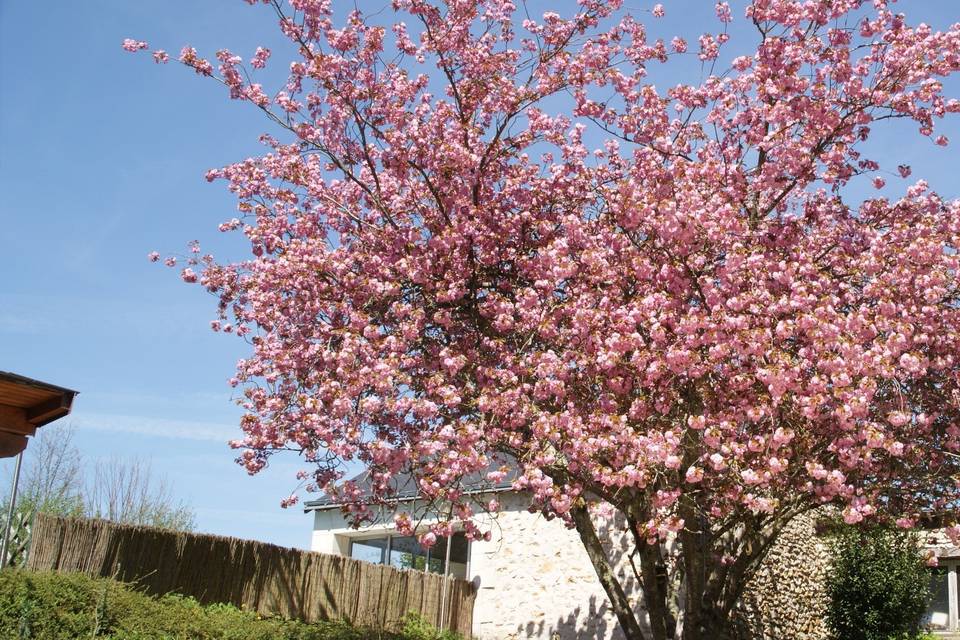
[[390, 535], [952, 565]]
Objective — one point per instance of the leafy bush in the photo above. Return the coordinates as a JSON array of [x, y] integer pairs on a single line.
[[52, 606], [879, 586], [414, 627]]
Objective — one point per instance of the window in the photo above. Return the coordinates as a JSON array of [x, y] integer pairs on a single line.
[[942, 613], [459, 552], [373, 550], [938, 613], [405, 552]]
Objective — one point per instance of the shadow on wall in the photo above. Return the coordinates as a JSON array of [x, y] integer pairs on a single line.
[[593, 618], [785, 599], [598, 621]]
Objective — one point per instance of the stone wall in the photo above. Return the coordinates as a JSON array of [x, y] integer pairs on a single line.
[[787, 598]]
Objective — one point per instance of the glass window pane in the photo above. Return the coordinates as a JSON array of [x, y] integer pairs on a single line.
[[371, 550], [406, 553], [459, 554], [435, 564], [459, 548], [938, 613], [438, 552]]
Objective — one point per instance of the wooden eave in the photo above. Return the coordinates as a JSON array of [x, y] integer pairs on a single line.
[[25, 406]]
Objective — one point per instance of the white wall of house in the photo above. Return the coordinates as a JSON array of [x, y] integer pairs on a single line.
[[534, 578], [536, 581]]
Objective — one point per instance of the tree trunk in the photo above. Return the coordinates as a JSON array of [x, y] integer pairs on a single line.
[[713, 625], [655, 591], [601, 564]]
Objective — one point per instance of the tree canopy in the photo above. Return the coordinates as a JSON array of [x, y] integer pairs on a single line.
[[485, 233]]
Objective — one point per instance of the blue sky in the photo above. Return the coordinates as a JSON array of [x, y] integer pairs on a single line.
[[102, 157]]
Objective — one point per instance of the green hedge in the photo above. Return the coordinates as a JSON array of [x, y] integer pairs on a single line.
[[52, 606], [879, 587]]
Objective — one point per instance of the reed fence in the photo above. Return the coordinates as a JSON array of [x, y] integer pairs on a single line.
[[257, 576]]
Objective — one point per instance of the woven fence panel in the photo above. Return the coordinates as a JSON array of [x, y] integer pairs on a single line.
[[256, 576]]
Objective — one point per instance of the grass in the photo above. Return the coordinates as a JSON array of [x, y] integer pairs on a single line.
[[52, 606]]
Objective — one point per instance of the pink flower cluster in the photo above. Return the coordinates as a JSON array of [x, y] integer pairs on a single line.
[[133, 46], [668, 301]]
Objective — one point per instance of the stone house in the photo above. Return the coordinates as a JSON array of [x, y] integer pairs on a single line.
[[534, 579]]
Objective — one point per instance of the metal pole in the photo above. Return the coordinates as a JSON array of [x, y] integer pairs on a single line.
[[446, 571], [13, 505]]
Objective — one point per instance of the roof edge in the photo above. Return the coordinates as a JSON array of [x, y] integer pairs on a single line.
[[16, 378], [323, 505]]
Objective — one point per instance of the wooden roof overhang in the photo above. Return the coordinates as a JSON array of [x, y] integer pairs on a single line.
[[25, 406]]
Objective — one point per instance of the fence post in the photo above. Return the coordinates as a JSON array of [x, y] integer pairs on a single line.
[[443, 592]]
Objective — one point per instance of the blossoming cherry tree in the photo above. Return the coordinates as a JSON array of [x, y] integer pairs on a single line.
[[479, 236]]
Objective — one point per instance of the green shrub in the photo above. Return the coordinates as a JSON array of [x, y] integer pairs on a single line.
[[879, 586], [52, 606], [414, 627]]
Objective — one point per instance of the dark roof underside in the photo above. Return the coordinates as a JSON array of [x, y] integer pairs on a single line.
[[25, 405]]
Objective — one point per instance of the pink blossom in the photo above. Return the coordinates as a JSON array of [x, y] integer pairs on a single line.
[[658, 11], [259, 60], [189, 57], [709, 47], [693, 475], [777, 465], [717, 462], [153, 256], [896, 449], [852, 516], [898, 418], [133, 46], [723, 12], [953, 533]]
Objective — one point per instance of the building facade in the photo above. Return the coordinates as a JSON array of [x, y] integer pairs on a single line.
[[535, 581]]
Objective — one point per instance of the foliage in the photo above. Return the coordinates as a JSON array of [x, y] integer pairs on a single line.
[[879, 586], [51, 606], [414, 627], [479, 236]]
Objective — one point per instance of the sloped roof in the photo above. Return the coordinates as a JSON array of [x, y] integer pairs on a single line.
[[405, 485]]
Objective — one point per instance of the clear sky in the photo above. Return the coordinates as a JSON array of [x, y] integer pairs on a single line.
[[102, 157]]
